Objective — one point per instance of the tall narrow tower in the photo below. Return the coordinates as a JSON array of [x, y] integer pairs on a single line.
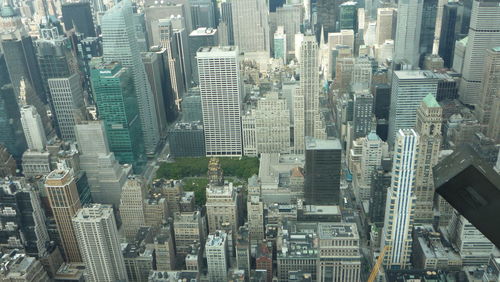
[[483, 35], [251, 25], [120, 45], [400, 204], [221, 94], [65, 202], [309, 82], [95, 228], [409, 21], [33, 128], [428, 128], [132, 206]]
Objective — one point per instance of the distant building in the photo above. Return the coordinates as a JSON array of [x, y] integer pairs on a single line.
[[188, 228], [201, 37], [20, 267], [132, 206], [255, 211], [79, 16], [138, 255], [243, 252], [430, 253], [298, 251], [187, 140], [23, 218], [57, 183], [362, 114], [216, 250], [264, 260], [191, 106], [280, 44], [7, 163], [97, 236], [164, 249], [349, 16], [33, 128], [222, 207], [339, 254], [322, 170]]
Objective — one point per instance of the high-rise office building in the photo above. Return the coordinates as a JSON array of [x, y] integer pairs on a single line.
[[226, 20], [242, 249], [309, 84], [19, 53], [78, 15], [339, 255], [483, 35], [371, 158], [328, 14], [203, 13], [188, 228], [33, 128], [348, 16], [187, 140], [251, 25], [221, 94], [25, 220], [400, 204], [291, 17], [115, 96], [428, 28], [67, 101], [155, 70], [201, 37], [298, 121], [132, 206], [97, 235], [55, 55], [216, 249], [64, 202], [255, 210], [474, 248], [428, 127], [386, 25], [487, 108], [362, 114], [222, 207], [120, 45], [104, 174], [408, 28], [451, 30], [280, 44], [322, 169], [408, 90]]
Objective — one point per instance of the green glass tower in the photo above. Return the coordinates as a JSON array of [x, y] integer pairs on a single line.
[[349, 16], [114, 91]]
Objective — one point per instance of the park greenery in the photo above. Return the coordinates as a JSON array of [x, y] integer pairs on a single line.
[[193, 172], [242, 168]]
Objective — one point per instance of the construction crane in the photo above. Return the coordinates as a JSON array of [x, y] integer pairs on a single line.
[[377, 265]]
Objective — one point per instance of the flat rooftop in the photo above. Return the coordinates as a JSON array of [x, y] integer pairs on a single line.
[[203, 31], [322, 144], [414, 74], [330, 230]]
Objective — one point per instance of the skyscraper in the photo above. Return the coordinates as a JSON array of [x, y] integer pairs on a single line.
[[251, 25], [201, 37], [216, 249], [221, 94], [408, 90], [67, 101], [132, 206], [400, 204], [386, 25], [120, 45], [451, 31], [322, 170], [19, 52], [291, 17], [222, 207], [33, 128], [408, 32], [280, 44], [348, 16], [428, 127], [78, 15], [362, 114], [95, 229], [309, 83], [488, 96], [483, 35], [427, 30], [64, 202], [328, 13], [116, 100]]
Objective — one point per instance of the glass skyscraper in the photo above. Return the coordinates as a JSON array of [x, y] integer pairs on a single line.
[[114, 91]]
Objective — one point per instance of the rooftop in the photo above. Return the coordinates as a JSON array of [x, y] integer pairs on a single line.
[[431, 101], [414, 74], [216, 239], [330, 230], [322, 144], [57, 174], [203, 31]]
